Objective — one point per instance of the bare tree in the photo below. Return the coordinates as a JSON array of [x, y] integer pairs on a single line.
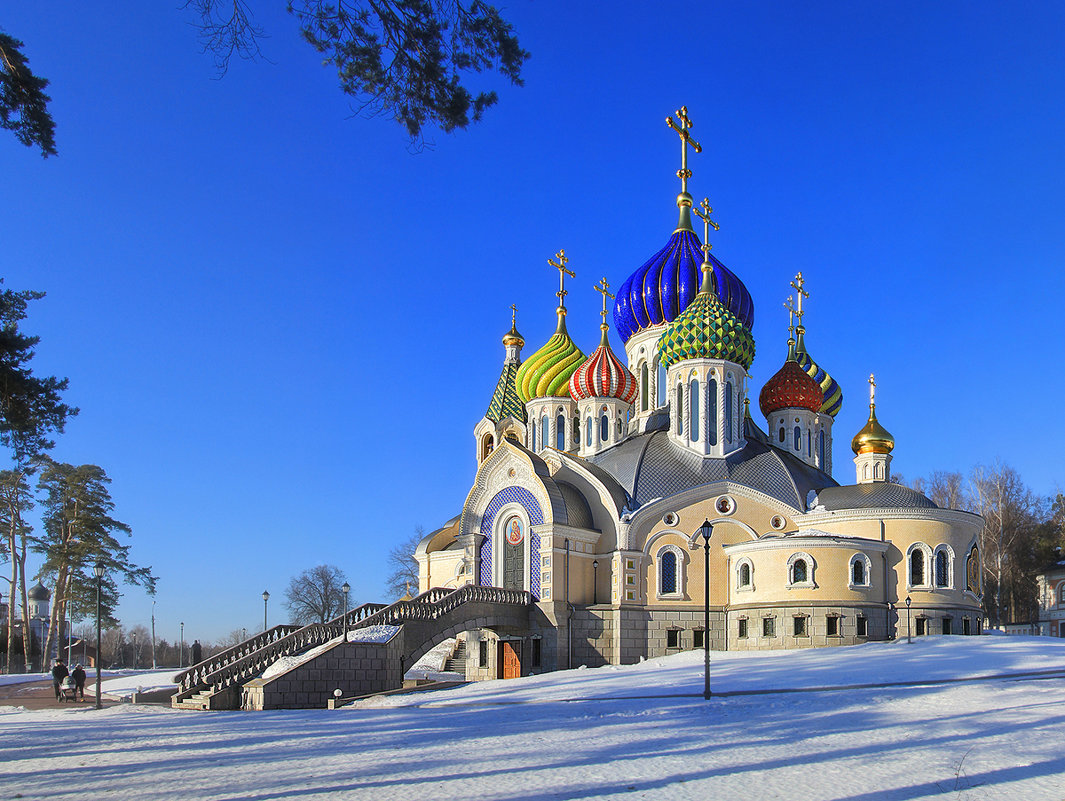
[[315, 595], [946, 490], [1008, 509], [403, 577]]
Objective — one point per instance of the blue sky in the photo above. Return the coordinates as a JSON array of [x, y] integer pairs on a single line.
[[281, 324]]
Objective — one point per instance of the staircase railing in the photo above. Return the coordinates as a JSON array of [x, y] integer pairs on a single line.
[[190, 678], [428, 606]]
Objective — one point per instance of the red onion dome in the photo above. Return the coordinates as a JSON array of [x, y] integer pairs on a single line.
[[602, 375], [790, 388]]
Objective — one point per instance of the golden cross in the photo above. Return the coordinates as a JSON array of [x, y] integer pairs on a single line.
[[797, 285], [602, 288], [789, 305], [513, 316], [704, 215], [560, 265], [872, 390], [685, 139]]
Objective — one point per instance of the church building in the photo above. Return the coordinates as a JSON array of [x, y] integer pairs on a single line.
[[609, 484]]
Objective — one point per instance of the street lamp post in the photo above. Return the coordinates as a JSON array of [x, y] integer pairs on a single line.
[[892, 626], [153, 634], [266, 600], [908, 602], [346, 589], [595, 582], [181, 647], [706, 530], [98, 571]]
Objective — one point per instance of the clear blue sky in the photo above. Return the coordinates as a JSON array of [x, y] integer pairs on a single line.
[[281, 325]]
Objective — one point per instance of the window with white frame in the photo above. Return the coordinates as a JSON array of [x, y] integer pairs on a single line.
[[860, 570], [918, 565], [670, 560], [801, 570], [943, 567], [1061, 594], [744, 575]]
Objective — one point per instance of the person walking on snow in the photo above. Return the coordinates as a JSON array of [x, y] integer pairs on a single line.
[[78, 674], [59, 672]]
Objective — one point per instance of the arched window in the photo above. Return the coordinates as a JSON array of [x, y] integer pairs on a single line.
[[643, 387], [693, 406], [560, 432], [809, 450], [711, 414], [743, 578], [680, 409], [783, 436], [660, 369], [532, 428], [860, 569], [588, 431], [728, 411], [1061, 594], [576, 431], [798, 439], [944, 566], [545, 433], [821, 448], [604, 427], [619, 425], [917, 567], [667, 571], [801, 570]]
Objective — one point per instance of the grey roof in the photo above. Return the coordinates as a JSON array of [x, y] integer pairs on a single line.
[[877, 495], [38, 593], [650, 466], [577, 509]]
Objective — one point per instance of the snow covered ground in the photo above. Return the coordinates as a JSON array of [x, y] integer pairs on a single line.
[[640, 731]]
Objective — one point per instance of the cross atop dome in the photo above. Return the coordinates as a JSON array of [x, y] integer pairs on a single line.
[[872, 391], [560, 265], [789, 304], [682, 128], [704, 215], [603, 289], [797, 285]]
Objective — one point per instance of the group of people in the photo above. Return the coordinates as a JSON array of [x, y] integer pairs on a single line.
[[73, 681]]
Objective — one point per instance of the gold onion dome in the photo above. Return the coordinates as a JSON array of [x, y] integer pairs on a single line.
[[547, 372], [873, 438], [512, 337]]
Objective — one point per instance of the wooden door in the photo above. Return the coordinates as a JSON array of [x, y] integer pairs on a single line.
[[509, 660]]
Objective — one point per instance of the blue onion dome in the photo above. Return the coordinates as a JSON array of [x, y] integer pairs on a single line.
[[833, 394], [667, 282], [707, 329], [547, 372]]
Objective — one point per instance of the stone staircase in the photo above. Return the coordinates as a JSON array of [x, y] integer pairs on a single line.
[[217, 683], [456, 662]]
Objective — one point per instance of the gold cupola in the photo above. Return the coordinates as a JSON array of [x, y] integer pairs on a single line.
[[873, 438]]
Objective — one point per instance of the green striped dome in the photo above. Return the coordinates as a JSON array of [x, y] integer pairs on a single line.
[[547, 372], [706, 330]]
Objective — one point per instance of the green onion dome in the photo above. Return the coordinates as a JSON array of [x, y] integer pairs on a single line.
[[706, 330], [547, 372]]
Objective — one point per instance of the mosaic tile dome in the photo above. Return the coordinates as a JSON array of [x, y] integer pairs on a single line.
[[602, 375], [706, 330], [547, 372], [790, 388], [833, 394], [667, 282]]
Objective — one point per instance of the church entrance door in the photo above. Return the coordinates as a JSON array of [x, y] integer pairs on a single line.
[[509, 660]]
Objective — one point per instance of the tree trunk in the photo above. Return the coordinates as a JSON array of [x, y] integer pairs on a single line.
[[11, 549]]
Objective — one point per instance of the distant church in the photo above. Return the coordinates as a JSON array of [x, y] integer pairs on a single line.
[[595, 475]]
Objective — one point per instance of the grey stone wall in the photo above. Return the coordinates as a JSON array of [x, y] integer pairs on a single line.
[[354, 668]]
